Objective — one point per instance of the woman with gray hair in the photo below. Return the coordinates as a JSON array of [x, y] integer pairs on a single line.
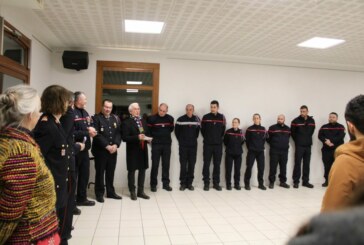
[[27, 195]]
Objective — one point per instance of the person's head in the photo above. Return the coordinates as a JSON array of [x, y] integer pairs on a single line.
[[214, 106], [333, 117], [71, 99], [54, 100], [134, 109], [106, 107], [162, 109], [354, 116], [304, 111], [80, 100], [280, 119], [190, 109], [235, 123], [256, 119], [19, 106]]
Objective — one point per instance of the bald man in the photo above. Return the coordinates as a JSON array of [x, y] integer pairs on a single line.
[[278, 140]]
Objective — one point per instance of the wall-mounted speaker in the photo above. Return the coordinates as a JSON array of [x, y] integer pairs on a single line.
[[76, 60]]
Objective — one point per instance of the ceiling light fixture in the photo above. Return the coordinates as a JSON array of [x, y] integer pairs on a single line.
[[131, 90], [134, 82], [320, 42], [141, 26]]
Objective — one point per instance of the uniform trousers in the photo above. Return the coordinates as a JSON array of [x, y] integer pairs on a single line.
[[250, 159], [82, 174], [209, 152], [160, 151], [230, 160], [302, 153], [105, 164], [278, 158], [187, 159]]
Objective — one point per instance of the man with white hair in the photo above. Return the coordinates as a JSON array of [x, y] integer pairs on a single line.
[[135, 133]]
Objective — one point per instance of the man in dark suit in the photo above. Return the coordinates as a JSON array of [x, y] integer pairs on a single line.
[[135, 133]]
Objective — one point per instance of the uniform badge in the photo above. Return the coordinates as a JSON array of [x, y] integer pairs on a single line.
[[114, 125], [102, 129], [63, 152]]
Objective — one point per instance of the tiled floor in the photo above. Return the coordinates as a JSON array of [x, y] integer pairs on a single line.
[[198, 217]]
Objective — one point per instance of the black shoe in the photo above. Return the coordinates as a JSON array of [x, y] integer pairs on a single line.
[[100, 199], [182, 188], [228, 187], [247, 187], [295, 186], [191, 188], [237, 187], [86, 203], [72, 228], [271, 185], [68, 237], [284, 185], [76, 211], [153, 189], [308, 185], [133, 196], [167, 188], [325, 184], [206, 187], [114, 196], [217, 187], [262, 187], [143, 195]]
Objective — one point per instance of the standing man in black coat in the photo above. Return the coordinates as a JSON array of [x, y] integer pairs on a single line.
[[187, 130], [213, 127], [84, 130], [161, 125], [332, 136], [278, 140], [255, 136], [105, 149], [302, 128], [135, 133]]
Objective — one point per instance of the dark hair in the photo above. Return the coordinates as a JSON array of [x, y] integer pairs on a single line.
[[304, 107], [334, 113], [215, 102], [55, 100], [106, 100], [77, 95], [354, 112]]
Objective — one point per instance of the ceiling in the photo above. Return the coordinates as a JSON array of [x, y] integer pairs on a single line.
[[263, 31]]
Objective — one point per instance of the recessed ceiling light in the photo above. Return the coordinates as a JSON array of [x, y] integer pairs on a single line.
[[134, 82], [320, 42], [131, 90], [141, 26]]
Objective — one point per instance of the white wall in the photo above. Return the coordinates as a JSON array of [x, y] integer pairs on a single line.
[[242, 89]]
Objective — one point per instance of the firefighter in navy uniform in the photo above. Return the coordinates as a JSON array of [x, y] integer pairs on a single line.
[[187, 129], [161, 125], [104, 148], [255, 137], [57, 152], [278, 139], [83, 131], [332, 136], [233, 140], [67, 122], [302, 129], [213, 127]]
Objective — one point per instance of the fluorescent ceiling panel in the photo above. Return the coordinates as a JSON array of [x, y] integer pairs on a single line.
[[320, 42], [141, 26]]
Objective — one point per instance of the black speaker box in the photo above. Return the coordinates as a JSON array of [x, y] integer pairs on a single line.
[[76, 60]]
